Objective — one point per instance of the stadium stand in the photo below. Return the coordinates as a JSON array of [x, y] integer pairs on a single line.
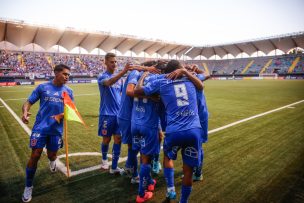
[[17, 61]]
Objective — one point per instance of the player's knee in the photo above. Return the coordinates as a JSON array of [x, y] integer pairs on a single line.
[[168, 163], [52, 155], [35, 156], [117, 139], [106, 140]]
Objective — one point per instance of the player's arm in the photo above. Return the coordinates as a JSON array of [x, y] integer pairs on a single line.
[[150, 69], [197, 70], [114, 79], [139, 87], [130, 90], [184, 72], [131, 93], [25, 112]]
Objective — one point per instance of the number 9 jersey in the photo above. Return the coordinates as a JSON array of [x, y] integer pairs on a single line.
[[180, 101]]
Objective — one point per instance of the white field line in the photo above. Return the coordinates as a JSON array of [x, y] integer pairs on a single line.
[[62, 167], [77, 95], [253, 117], [92, 168], [74, 173]]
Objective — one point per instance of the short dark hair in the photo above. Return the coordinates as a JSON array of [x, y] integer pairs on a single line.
[[172, 66], [149, 63], [60, 67], [109, 55], [159, 64]]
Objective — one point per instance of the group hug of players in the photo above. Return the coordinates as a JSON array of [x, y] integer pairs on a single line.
[[137, 104]]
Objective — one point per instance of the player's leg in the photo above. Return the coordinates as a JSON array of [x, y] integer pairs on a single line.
[[156, 166], [191, 154], [105, 132], [186, 183], [54, 143], [169, 176], [130, 169], [148, 147], [144, 176], [37, 142], [198, 171], [115, 155], [170, 154]]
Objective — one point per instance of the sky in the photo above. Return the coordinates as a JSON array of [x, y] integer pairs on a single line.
[[190, 22]]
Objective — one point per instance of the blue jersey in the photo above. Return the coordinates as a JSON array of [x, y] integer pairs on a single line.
[[201, 101], [51, 103], [179, 98], [125, 110], [145, 111], [109, 95]]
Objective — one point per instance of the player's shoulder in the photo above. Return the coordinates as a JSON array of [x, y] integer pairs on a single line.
[[67, 88], [104, 74], [44, 85], [133, 74]]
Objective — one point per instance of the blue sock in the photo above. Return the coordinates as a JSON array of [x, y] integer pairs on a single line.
[[104, 151], [129, 163], [115, 155], [135, 163], [156, 157], [198, 170], [143, 177], [169, 176], [30, 173], [186, 190]]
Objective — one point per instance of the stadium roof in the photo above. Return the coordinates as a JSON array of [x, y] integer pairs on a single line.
[[265, 45], [21, 34]]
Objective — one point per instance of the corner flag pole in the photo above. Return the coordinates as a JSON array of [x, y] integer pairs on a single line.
[[66, 146]]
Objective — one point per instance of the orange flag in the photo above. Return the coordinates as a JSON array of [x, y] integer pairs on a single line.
[[70, 111]]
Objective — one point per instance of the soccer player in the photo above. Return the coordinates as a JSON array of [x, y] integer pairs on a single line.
[[110, 87], [124, 119], [144, 128], [124, 123], [183, 129], [203, 115], [46, 130], [202, 110]]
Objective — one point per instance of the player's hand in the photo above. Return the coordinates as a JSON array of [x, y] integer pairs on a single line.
[[176, 74], [58, 117], [196, 69], [127, 67], [153, 70], [26, 117]]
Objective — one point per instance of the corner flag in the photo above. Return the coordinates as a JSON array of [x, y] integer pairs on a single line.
[[70, 111]]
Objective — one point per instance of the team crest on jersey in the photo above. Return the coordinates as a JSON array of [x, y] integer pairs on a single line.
[[33, 142], [104, 132]]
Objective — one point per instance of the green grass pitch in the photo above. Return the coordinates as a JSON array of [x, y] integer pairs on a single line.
[[261, 160]]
